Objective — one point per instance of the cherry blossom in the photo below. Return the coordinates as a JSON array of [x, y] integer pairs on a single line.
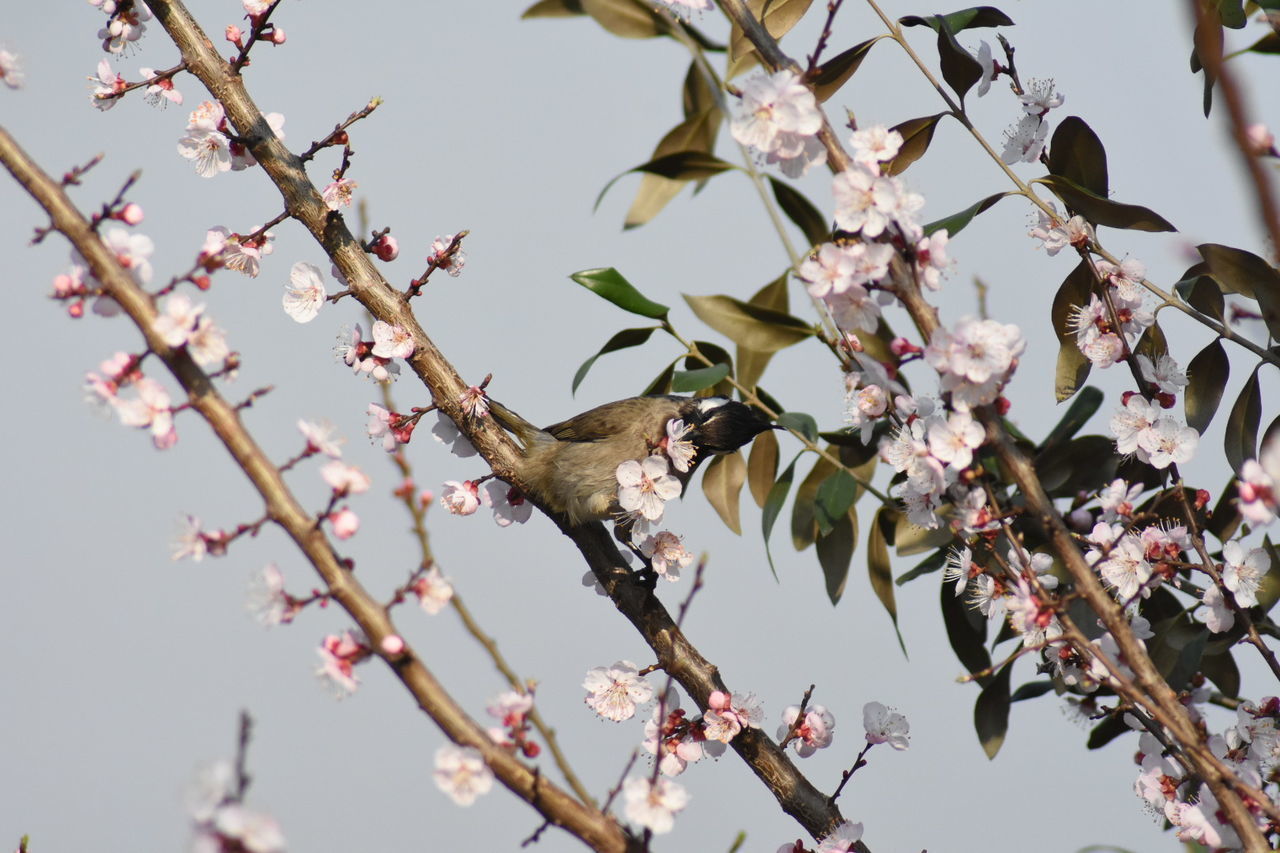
[[679, 742], [1259, 485], [814, 732], [1040, 97], [990, 68], [865, 202], [509, 504], [1243, 571], [932, 260], [339, 653], [462, 774], [177, 319], [875, 145], [1117, 499], [1215, 613], [160, 90], [242, 828], [842, 839], [338, 194], [433, 590], [1164, 373], [460, 498], [953, 440], [150, 409], [390, 341], [125, 26], [613, 692], [320, 438], [667, 554], [451, 264], [1121, 560], [645, 487], [345, 479], [728, 715], [1134, 418], [304, 294], [192, 541], [345, 522], [796, 154], [267, 601], [1024, 140], [684, 8], [1126, 277], [958, 568], [207, 147], [654, 804], [1167, 442], [11, 73], [773, 104], [109, 85], [680, 450], [1055, 235]]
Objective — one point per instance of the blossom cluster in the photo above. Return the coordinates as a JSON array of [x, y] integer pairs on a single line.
[[373, 358], [221, 820], [209, 143], [780, 120]]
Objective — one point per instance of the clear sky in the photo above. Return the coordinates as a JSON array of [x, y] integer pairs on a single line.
[[126, 671]]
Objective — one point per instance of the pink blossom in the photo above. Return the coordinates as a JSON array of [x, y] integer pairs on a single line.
[[159, 91], [654, 805], [433, 590], [1243, 571], [267, 601], [875, 145], [345, 479], [460, 498], [320, 438], [842, 839], [462, 774], [680, 450], [814, 732], [452, 264], [666, 554], [773, 104], [345, 522], [11, 73], [338, 194], [645, 487], [150, 409], [391, 341], [474, 402], [613, 692], [304, 294], [177, 320], [108, 86], [509, 504], [1215, 613]]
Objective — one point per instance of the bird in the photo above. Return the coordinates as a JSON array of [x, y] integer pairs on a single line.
[[571, 466]]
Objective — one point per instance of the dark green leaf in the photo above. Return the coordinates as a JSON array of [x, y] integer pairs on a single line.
[[835, 553], [959, 68], [1231, 13], [1084, 406], [554, 9], [773, 506], [956, 221], [1073, 368], [879, 569], [695, 133], [689, 165], [722, 484], [1226, 516], [778, 17], [991, 712], [1077, 154], [1153, 343], [836, 71], [916, 134], [930, 564], [816, 227], [1188, 661], [1106, 731], [1241, 440], [762, 466], [801, 423], [1202, 293], [625, 18], [835, 497], [804, 530], [1031, 690], [1207, 374], [1104, 211], [623, 340], [752, 363], [966, 632], [609, 284], [748, 325], [716, 355], [1082, 464], [1245, 273], [965, 19], [685, 381], [661, 383], [1221, 669], [1270, 43]]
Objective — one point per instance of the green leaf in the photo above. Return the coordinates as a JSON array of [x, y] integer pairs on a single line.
[[991, 712], [554, 9], [1077, 154], [625, 18], [688, 165], [685, 381], [722, 484], [1188, 662], [1245, 273], [1270, 43], [748, 325], [762, 466], [717, 355], [835, 497], [1084, 406], [965, 19], [1083, 464], [1241, 440], [1104, 211], [1231, 13], [1073, 368], [1221, 670], [1106, 731], [1207, 374], [801, 423], [1153, 343], [815, 227], [916, 134], [835, 553], [608, 283], [623, 340], [959, 68], [930, 564], [879, 568], [836, 71], [661, 383], [956, 221]]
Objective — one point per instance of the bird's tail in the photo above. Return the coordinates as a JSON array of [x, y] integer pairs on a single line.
[[526, 432]]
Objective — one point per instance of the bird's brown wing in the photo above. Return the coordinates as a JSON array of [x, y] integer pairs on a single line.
[[613, 419]]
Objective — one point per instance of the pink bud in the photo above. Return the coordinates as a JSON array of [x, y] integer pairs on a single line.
[[234, 34], [387, 249], [131, 214], [345, 523], [718, 700], [277, 36], [393, 644]]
